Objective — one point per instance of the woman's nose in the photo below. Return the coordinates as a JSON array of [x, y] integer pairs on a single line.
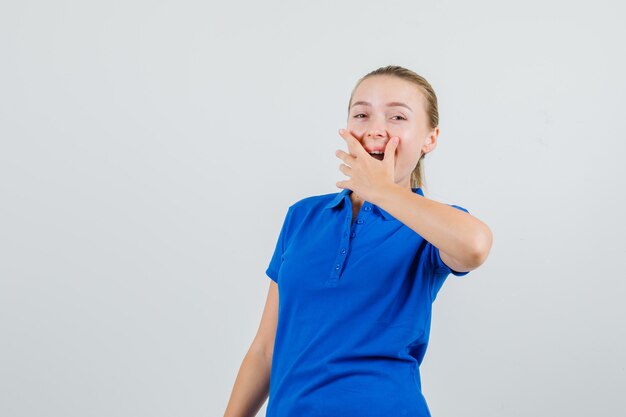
[[375, 132], [376, 128]]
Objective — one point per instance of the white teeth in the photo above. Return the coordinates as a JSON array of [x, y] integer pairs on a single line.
[[377, 153]]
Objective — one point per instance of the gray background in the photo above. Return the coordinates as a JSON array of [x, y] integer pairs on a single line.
[[149, 151]]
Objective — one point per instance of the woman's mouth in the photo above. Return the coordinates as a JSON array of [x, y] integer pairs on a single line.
[[378, 156]]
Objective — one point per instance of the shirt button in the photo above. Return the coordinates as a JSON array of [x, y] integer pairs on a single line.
[[368, 208], [353, 234], [337, 266], [343, 251], [360, 221]]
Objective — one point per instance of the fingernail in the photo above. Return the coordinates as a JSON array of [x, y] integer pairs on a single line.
[[342, 131]]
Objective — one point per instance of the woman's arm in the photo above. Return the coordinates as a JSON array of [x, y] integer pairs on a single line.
[[252, 383], [251, 386], [463, 241]]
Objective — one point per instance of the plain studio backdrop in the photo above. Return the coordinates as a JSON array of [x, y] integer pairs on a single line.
[[149, 151]]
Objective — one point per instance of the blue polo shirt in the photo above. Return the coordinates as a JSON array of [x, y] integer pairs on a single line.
[[354, 311]]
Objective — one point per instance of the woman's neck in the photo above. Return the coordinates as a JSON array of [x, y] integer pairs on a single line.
[[356, 200]]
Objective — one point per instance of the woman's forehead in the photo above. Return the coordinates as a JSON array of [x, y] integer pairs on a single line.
[[380, 90]]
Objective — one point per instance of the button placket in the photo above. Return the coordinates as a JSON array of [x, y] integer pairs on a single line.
[[361, 217], [363, 220], [344, 246]]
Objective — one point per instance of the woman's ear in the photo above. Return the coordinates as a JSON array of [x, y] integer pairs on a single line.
[[430, 143]]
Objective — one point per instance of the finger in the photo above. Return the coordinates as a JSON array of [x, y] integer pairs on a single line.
[[343, 134], [390, 150], [354, 146], [345, 169], [345, 157]]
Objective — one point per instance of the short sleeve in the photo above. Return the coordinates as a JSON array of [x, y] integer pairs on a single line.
[[435, 265], [277, 257]]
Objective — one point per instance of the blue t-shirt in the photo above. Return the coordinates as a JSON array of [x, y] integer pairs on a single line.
[[354, 311]]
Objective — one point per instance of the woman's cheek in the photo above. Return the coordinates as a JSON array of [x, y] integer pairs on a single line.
[[403, 152]]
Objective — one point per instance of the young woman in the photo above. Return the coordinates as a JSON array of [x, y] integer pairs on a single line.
[[358, 270]]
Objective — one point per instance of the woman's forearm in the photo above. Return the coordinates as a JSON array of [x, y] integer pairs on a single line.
[[463, 236], [251, 385]]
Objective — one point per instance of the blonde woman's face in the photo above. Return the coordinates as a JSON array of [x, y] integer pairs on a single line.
[[386, 106]]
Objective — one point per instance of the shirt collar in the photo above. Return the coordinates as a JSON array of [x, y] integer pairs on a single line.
[[341, 196]]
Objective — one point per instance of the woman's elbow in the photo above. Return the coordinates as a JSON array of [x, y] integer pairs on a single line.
[[482, 247]]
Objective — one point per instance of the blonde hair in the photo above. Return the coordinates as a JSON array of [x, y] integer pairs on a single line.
[[432, 111]]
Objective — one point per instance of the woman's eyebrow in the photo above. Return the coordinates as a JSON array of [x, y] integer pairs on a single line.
[[392, 104]]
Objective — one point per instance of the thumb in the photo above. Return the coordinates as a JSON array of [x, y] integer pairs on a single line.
[[390, 149]]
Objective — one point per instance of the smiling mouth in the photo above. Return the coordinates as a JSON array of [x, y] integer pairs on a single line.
[[378, 156]]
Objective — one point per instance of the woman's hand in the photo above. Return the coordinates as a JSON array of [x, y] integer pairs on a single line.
[[369, 177]]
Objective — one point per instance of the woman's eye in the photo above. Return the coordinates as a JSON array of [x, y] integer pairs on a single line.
[[357, 116]]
